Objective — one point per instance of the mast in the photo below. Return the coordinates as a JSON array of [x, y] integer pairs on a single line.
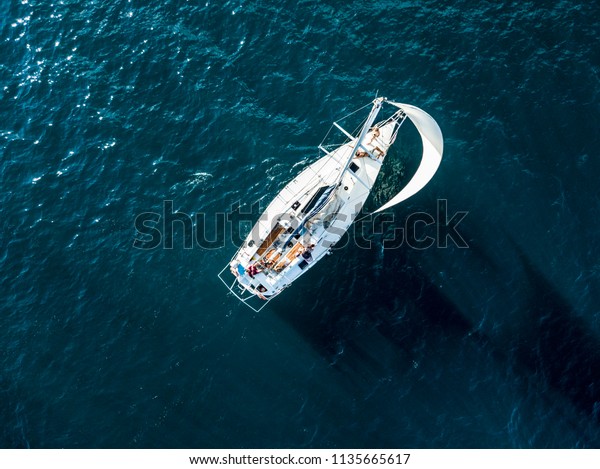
[[377, 103]]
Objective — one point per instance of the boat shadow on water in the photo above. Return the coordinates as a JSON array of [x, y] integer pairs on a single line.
[[367, 316], [559, 346]]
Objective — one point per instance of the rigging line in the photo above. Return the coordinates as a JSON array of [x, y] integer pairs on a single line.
[[348, 115], [354, 112], [356, 130], [361, 125]]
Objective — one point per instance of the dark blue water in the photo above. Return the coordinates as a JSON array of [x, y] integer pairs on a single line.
[[109, 108]]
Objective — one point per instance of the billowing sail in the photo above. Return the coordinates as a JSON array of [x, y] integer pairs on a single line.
[[433, 147]]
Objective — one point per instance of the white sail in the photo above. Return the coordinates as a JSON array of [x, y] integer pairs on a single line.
[[433, 147]]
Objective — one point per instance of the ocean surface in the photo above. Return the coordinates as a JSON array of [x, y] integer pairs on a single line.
[[110, 108]]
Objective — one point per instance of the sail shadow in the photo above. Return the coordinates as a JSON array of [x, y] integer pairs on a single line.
[[560, 347]]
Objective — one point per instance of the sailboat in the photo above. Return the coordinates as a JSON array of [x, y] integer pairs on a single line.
[[313, 211]]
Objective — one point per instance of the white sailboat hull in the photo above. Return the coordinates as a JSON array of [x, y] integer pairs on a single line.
[[311, 213]]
